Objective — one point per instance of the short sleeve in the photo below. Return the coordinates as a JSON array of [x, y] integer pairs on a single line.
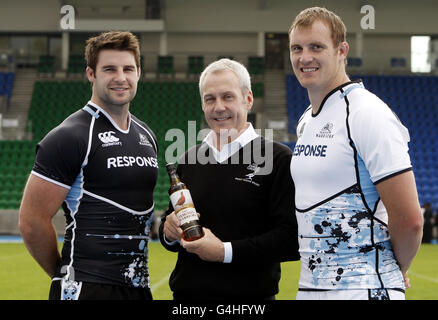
[[380, 138], [59, 156]]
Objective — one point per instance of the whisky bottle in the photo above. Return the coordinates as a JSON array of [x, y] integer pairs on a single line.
[[183, 206]]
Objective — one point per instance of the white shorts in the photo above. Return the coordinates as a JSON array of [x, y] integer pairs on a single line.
[[365, 294]]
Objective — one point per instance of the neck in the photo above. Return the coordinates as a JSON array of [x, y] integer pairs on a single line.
[[119, 114], [316, 95], [224, 137]]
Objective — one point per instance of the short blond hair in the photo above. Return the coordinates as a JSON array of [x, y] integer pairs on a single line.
[[308, 16]]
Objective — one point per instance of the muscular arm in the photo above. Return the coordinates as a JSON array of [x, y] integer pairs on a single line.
[[41, 200], [405, 220]]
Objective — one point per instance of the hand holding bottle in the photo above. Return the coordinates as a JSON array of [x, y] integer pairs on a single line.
[[208, 248], [172, 229]]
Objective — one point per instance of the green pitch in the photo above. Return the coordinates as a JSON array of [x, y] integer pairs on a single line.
[[22, 279]]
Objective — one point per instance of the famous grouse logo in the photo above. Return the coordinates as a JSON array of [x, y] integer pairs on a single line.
[[181, 200]]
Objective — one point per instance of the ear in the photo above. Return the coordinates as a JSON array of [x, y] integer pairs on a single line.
[[90, 74], [249, 100], [202, 102], [343, 50]]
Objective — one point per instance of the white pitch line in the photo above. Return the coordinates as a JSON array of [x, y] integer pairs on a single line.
[[422, 277], [160, 283]]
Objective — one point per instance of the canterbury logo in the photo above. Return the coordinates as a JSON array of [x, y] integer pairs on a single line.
[[107, 137]]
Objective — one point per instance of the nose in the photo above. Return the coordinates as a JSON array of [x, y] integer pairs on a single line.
[[120, 75], [219, 106], [306, 57]]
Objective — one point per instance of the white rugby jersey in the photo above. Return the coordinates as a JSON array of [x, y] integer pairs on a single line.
[[351, 144]]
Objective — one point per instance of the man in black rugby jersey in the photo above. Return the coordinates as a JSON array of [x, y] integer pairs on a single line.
[[100, 164], [244, 194]]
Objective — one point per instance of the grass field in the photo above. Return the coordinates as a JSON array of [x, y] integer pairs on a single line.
[[22, 279]]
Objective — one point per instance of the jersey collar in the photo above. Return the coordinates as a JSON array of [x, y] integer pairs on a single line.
[[101, 110], [334, 91]]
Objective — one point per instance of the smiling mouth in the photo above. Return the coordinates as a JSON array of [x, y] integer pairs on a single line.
[[222, 119], [119, 89], [308, 70]]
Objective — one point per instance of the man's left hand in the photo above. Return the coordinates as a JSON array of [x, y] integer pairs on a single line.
[[208, 248]]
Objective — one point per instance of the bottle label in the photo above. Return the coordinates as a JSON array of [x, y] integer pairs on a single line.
[[181, 198], [186, 215]]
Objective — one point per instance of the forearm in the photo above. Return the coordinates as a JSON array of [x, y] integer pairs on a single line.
[[42, 243], [41, 201], [405, 220], [406, 243]]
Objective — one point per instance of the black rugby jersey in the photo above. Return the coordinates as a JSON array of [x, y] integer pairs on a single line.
[[247, 200], [111, 175]]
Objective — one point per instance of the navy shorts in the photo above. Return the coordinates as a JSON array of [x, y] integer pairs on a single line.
[[74, 290]]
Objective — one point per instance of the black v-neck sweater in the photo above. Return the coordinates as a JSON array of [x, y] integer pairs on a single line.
[[256, 213]]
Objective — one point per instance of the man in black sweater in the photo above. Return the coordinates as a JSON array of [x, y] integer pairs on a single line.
[[241, 186]]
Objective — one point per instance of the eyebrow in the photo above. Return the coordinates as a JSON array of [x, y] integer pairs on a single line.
[[220, 94], [318, 43], [114, 66], [309, 44]]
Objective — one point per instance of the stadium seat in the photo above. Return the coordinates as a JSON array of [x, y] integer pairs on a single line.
[[165, 65], [16, 161], [195, 65], [354, 62], [256, 65], [46, 64], [258, 89], [6, 84], [398, 62], [76, 65]]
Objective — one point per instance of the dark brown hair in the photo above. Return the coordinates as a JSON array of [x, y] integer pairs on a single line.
[[116, 40]]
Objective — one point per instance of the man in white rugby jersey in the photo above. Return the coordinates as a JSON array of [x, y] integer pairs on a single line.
[[359, 219]]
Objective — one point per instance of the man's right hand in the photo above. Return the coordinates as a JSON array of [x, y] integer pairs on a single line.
[[172, 229]]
